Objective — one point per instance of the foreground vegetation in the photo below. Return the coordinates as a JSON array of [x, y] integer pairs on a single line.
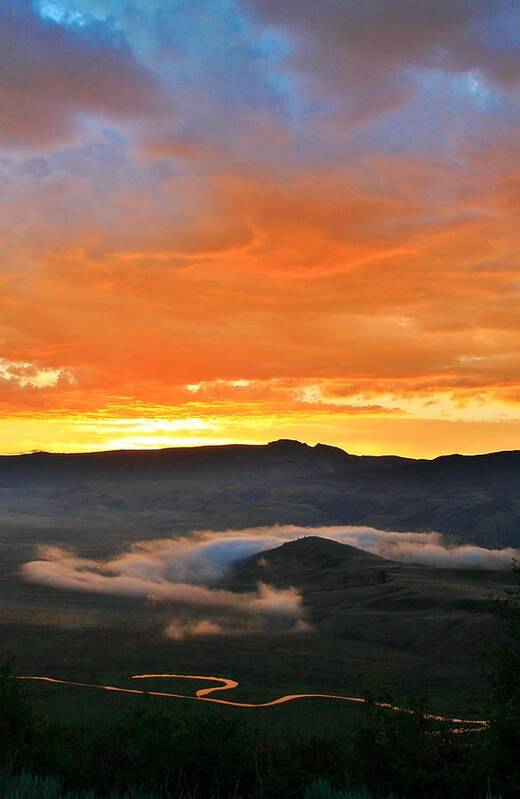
[[149, 754], [27, 787]]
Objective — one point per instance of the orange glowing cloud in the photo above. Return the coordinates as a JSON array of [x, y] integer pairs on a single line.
[[285, 254]]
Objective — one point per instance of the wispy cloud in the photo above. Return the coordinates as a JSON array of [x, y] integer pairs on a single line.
[[181, 572], [186, 573], [24, 374], [67, 71]]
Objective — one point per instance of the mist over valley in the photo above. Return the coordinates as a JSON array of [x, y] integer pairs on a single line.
[[257, 560]]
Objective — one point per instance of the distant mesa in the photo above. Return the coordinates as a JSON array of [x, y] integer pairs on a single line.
[[287, 442], [295, 445]]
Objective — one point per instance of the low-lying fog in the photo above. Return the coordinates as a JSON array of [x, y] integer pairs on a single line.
[[185, 572]]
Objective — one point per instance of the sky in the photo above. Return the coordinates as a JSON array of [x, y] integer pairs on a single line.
[[241, 220]]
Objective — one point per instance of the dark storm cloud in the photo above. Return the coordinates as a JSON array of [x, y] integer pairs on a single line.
[[50, 75], [373, 51]]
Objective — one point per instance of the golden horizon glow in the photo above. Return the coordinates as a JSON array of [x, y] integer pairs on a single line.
[[359, 435]]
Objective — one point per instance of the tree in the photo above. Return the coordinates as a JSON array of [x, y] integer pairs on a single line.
[[18, 721], [502, 674]]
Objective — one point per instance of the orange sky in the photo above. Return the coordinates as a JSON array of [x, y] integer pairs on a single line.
[[254, 224]]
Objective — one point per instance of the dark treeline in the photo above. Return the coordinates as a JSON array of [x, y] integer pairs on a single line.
[[149, 753]]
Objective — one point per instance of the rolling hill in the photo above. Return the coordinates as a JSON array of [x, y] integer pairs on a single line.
[[350, 593]]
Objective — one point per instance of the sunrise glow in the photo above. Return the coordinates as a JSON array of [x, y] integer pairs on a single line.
[[240, 220]]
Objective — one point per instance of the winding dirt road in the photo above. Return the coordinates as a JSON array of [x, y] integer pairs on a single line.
[[203, 695]]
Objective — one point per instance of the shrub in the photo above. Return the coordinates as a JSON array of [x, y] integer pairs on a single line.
[[19, 727]]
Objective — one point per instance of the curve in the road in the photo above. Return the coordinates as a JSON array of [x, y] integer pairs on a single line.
[[224, 684]]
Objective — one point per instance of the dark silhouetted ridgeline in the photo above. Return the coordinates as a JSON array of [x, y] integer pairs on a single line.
[[473, 498]]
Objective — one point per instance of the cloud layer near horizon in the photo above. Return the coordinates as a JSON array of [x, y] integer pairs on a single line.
[[185, 573], [308, 210]]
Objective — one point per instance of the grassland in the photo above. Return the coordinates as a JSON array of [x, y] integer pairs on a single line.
[[417, 634]]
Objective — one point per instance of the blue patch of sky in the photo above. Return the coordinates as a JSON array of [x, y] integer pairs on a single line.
[[211, 47], [275, 49], [216, 49], [61, 14], [90, 22], [485, 99]]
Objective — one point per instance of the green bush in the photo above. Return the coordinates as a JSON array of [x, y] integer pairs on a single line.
[[25, 786], [19, 725], [502, 662], [321, 789]]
